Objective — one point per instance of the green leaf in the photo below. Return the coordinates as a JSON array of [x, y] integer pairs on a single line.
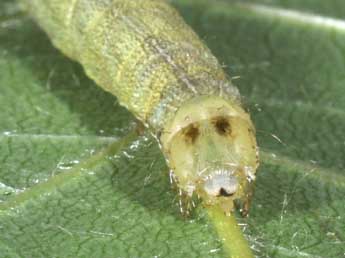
[[66, 190]]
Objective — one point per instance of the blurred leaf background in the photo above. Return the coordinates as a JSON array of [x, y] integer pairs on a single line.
[[61, 196]]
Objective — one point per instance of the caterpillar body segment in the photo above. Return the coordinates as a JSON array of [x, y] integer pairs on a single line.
[[145, 54]]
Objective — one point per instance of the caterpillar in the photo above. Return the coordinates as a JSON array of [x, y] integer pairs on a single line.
[[144, 53]]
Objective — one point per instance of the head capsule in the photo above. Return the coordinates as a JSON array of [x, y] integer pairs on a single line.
[[211, 148]]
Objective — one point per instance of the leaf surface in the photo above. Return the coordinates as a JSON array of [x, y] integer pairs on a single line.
[[67, 190]]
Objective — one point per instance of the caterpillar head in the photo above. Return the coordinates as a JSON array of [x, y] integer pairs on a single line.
[[212, 151]]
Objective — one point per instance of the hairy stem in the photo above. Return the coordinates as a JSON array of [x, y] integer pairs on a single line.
[[231, 234]]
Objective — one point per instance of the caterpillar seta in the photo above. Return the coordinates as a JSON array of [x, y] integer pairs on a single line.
[[145, 54]]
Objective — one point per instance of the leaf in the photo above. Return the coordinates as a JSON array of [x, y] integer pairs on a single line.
[[66, 192]]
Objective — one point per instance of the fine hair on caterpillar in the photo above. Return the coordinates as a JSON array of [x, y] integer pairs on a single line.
[[212, 152], [150, 59]]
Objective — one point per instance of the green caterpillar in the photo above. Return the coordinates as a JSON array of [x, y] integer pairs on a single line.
[[144, 53]]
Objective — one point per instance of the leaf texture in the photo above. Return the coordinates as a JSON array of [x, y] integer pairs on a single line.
[[66, 190]]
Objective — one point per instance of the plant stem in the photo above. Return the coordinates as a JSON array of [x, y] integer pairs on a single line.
[[231, 234]]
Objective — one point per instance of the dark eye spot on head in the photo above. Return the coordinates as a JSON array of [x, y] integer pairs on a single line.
[[191, 133], [222, 125]]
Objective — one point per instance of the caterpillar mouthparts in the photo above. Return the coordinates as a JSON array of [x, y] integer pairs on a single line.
[[210, 145], [221, 185]]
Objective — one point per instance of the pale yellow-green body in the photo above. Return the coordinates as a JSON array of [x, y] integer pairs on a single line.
[[143, 52]]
